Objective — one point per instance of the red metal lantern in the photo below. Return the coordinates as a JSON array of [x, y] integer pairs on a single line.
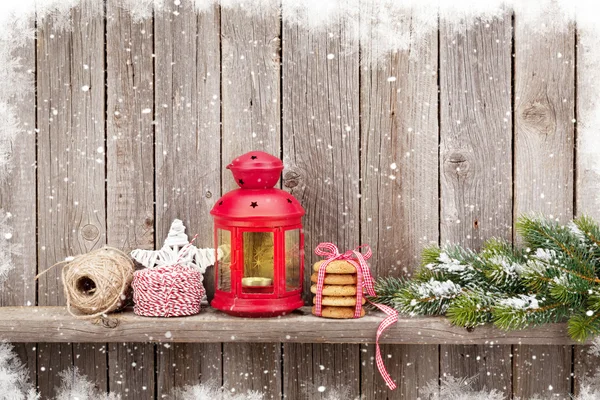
[[259, 230]]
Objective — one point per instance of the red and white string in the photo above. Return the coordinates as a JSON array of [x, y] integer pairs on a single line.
[[170, 290]]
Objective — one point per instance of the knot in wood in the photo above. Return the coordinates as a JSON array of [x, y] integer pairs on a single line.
[[291, 179], [457, 163], [110, 323], [539, 116], [149, 221], [90, 232]]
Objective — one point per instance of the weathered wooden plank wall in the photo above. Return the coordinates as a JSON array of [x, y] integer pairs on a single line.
[[187, 115], [136, 121], [544, 172], [130, 173], [321, 153], [586, 184], [476, 165], [71, 196], [399, 188], [251, 88], [18, 197]]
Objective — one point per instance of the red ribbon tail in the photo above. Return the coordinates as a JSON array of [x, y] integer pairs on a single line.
[[392, 318]]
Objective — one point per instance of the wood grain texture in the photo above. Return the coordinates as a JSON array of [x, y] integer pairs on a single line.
[[250, 46], [321, 155], [18, 199], [587, 199], [542, 370], [130, 131], [18, 189], [585, 367], [131, 370], [544, 128], [71, 167], [475, 162], [183, 364], [399, 191], [248, 367], [187, 120], [399, 156], [56, 358], [320, 372], [412, 367], [187, 114], [130, 168], [544, 176], [52, 358], [491, 364], [55, 325]]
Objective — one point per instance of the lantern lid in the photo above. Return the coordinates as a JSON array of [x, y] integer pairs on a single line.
[[256, 173], [257, 204], [256, 170]]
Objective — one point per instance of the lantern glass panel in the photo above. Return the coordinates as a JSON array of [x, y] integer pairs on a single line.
[[292, 260], [259, 262], [224, 264]]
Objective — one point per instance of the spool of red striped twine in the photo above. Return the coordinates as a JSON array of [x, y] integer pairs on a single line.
[[169, 290], [172, 291]]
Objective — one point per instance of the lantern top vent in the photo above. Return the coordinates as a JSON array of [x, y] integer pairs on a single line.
[[257, 200], [256, 170]]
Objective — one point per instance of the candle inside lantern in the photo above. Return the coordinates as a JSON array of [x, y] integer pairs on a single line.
[[258, 281]]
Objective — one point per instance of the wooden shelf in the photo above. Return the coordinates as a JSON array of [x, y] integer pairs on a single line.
[[54, 324]]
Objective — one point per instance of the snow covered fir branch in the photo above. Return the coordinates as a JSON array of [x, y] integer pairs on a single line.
[[553, 277]]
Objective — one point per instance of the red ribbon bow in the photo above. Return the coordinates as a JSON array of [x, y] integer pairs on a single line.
[[364, 281]]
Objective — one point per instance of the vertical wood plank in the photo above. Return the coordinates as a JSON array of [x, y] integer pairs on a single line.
[[187, 363], [544, 127], [544, 138], [320, 371], [251, 121], [71, 169], [130, 173], [490, 365], [412, 367], [188, 178], [253, 367], [131, 369], [587, 200], [399, 193], [251, 83], [17, 191], [544, 371], [130, 131], [298, 371], [475, 164], [585, 366], [17, 199], [321, 155]]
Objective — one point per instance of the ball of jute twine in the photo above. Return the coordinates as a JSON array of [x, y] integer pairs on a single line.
[[97, 282]]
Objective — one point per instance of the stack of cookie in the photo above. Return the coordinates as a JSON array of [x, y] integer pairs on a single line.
[[339, 289]]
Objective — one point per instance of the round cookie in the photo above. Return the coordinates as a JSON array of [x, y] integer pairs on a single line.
[[336, 267], [338, 312], [336, 279], [335, 290], [339, 301]]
